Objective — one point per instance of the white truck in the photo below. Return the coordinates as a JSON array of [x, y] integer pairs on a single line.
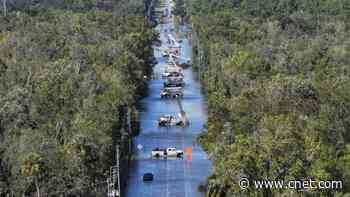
[[168, 152], [175, 92], [169, 69], [168, 120], [175, 76], [173, 83]]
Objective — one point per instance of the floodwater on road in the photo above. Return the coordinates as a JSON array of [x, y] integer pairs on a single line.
[[178, 177]]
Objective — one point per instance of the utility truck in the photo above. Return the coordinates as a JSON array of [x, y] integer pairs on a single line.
[[171, 92], [170, 120], [168, 152]]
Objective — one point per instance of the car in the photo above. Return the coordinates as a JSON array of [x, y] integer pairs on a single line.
[[147, 177], [168, 152]]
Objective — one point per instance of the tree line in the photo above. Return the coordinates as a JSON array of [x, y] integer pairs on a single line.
[[277, 77], [70, 75]]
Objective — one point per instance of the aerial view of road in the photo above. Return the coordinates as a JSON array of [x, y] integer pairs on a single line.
[[174, 98], [179, 176]]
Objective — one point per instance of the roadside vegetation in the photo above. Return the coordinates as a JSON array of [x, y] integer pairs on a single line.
[[69, 74], [277, 76]]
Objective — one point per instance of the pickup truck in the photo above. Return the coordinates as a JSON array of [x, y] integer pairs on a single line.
[[169, 120], [171, 70], [169, 152], [175, 76], [174, 83], [175, 92]]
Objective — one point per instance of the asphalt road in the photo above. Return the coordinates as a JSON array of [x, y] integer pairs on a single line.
[[178, 177]]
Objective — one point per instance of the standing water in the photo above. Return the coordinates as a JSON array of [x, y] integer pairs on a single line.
[[176, 177]]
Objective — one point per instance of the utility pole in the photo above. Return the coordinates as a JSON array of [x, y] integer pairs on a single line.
[[113, 182], [4, 5], [110, 188], [118, 171]]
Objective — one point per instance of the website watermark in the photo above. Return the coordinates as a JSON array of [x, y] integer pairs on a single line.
[[245, 183]]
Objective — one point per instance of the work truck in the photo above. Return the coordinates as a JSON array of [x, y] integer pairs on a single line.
[[170, 70], [173, 83], [170, 120], [171, 92], [168, 152]]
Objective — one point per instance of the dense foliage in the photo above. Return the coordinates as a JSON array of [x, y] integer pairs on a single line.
[[69, 75], [277, 75]]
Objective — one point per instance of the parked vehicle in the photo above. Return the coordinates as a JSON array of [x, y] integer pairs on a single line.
[[147, 177], [170, 120], [174, 83], [165, 54], [175, 92], [169, 152], [171, 69], [165, 120], [175, 76]]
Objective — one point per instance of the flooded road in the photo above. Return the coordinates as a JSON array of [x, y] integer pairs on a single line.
[[177, 177]]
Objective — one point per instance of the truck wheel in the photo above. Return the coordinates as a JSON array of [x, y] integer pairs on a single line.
[[157, 155]]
